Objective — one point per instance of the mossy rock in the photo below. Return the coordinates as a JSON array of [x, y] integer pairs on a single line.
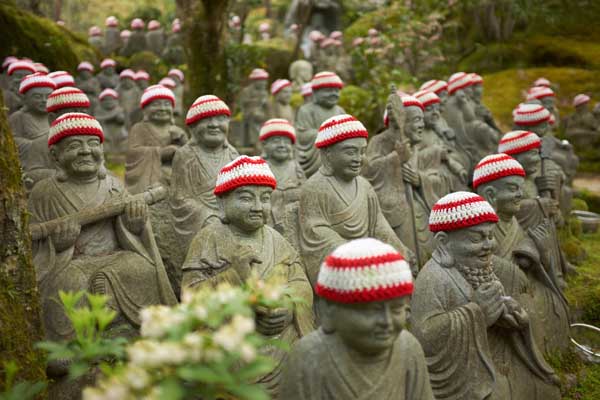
[[361, 104], [583, 291], [379, 19], [579, 204]]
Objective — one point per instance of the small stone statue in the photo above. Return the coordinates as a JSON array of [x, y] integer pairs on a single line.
[[281, 90], [112, 36], [242, 245], [125, 35], [326, 87], [16, 71], [129, 96], [468, 317], [137, 41], [95, 38], [111, 116], [475, 92], [583, 129], [301, 72], [177, 76], [108, 77], [87, 82], [4, 77], [547, 98], [362, 349], [306, 92], [254, 100], [155, 37], [322, 15], [174, 53], [142, 79]]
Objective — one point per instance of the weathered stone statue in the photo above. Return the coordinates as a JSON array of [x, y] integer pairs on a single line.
[[111, 116], [137, 41], [254, 100], [112, 35], [336, 203], [108, 77], [242, 244], [129, 96], [177, 76], [306, 92], [499, 179], [583, 129], [362, 349], [547, 98], [440, 88], [281, 90], [113, 255], [481, 111], [16, 71], [87, 82], [174, 53], [95, 38], [155, 37], [301, 72], [467, 312], [326, 88], [152, 143], [4, 77], [125, 35], [142, 79]]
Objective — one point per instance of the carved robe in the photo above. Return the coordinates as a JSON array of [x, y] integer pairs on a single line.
[[290, 177], [108, 81], [129, 98], [254, 105], [112, 39], [91, 87], [156, 41], [12, 101], [113, 125], [285, 111], [135, 44]]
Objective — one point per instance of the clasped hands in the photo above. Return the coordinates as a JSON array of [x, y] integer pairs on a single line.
[[498, 308]]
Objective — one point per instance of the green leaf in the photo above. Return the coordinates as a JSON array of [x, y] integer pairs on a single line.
[[249, 392], [171, 389], [254, 370], [200, 374], [77, 369]]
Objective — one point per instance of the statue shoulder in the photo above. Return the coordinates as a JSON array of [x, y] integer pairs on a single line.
[[42, 190]]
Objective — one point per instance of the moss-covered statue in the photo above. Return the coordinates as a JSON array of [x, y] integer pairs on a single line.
[[280, 106], [88, 83], [108, 77], [129, 96], [468, 314], [173, 52], [362, 349], [16, 71], [155, 37], [137, 40], [326, 87], [240, 245], [111, 116], [336, 203], [583, 129], [301, 72], [499, 179], [95, 38], [112, 35], [254, 104]]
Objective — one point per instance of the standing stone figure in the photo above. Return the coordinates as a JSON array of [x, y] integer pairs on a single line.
[[281, 90], [481, 111], [177, 76], [111, 116], [87, 82], [583, 129], [129, 96], [95, 38], [137, 41], [142, 79], [301, 72], [547, 98], [112, 35], [108, 77], [174, 53], [155, 37], [242, 245], [16, 71], [254, 102]]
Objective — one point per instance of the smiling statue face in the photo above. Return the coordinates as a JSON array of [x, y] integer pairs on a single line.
[[159, 111], [346, 158], [79, 156], [247, 207], [472, 246], [504, 195], [414, 124], [530, 160], [326, 97], [284, 95], [35, 99], [278, 148], [211, 132]]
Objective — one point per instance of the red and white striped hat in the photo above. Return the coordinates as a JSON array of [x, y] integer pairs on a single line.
[[516, 142], [156, 92], [407, 101], [95, 31], [362, 271], [39, 67], [427, 97], [539, 92], [111, 21], [62, 79], [460, 210], [277, 127], [244, 171], [278, 85], [258, 74], [339, 128], [306, 90], [316, 36], [67, 97], [168, 82], [153, 25], [580, 99], [137, 23], [36, 80], [142, 75], [475, 78], [326, 79], [176, 28], [530, 114], [542, 82], [176, 73], [264, 27], [204, 107], [325, 43], [496, 166], [459, 80], [336, 35], [127, 74], [125, 34], [108, 93], [74, 124], [108, 62], [85, 66], [20, 66], [8, 60], [435, 86]]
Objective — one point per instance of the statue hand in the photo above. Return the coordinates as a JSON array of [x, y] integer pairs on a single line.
[[546, 183], [167, 153], [410, 175], [403, 149], [135, 215], [550, 206], [242, 261], [272, 321], [65, 235], [489, 298]]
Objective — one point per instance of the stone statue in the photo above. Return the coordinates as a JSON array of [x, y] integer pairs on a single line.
[[281, 90], [155, 37], [125, 35], [108, 77], [111, 116], [16, 71], [321, 15], [467, 312], [254, 100], [326, 87], [301, 72], [129, 96], [499, 179], [142, 79], [362, 349], [547, 98], [112, 35], [95, 38], [177, 76], [242, 245], [137, 41], [4, 77], [174, 53], [475, 92], [583, 129], [306, 92], [87, 82], [336, 203]]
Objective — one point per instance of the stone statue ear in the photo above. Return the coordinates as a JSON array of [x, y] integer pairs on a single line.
[[221, 205], [326, 311], [489, 193], [441, 237], [441, 253]]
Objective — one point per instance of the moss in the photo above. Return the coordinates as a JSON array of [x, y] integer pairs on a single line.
[[592, 200], [145, 60], [579, 204], [379, 19], [360, 103], [297, 100]]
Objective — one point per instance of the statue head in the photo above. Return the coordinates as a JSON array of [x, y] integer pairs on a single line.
[[35, 89], [108, 66], [301, 71], [326, 87], [364, 288], [440, 88], [459, 85], [17, 70], [85, 70], [414, 123], [66, 100], [109, 99], [431, 112], [208, 121], [243, 189], [342, 140], [142, 79], [282, 90], [531, 117], [523, 146], [127, 79], [278, 137], [476, 88], [157, 103], [259, 79], [176, 75], [580, 102]]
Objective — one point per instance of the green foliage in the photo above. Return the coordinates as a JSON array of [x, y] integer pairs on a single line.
[[360, 103], [592, 200], [24, 390], [147, 61], [579, 204]]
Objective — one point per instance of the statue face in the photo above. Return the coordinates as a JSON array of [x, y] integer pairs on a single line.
[[505, 195], [530, 160], [548, 102], [260, 84], [443, 95], [109, 103], [431, 115], [414, 124], [247, 207], [79, 156], [142, 83], [85, 74], [109, 70], [369, 328], [211, 132], [285, 95], [127, 83], [472, 246], [540, 129], [16, 78], [278, 148], [35, 99], [159, 111], [326, 97], [477, 92], [346, 158]]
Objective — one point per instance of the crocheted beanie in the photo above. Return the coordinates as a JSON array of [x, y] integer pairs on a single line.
[[277, 127], [407, 101], [137, 23], [62, 79], [539, 92], [108, 62], [460, 210], [258, 74], [459, 80], [67, 97], [85, 66], [580, 99], [153, 25], [204, 107], [516, 142], [142, 75], [168, 82], [496, 166], [306, 90], [475, 78], [39, 67], [8, 60], [336, 35], [362, 271], [127, 74], [95, 31], [176, 73], [279, 85], [326, 79], [125, 34], [244, 171], [339, 128], [427, 98], [35, 80], [542, 82], [530, 114], [316, 36], [108, 93], [20, 66], [156, 92], [74, 124], [435, 86], [111, 21]]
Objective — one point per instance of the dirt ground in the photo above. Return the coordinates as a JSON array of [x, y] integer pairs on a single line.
[[588, 182]]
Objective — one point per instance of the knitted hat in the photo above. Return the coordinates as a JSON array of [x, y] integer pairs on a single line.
[[74, 124], [176, 28], [244, 171], [67, 97], [435, 86], [496, 166], [373, 32], [457, 81], [8, 60], [156, 92], [278, 85], [85, 66], [277, 127], [167, 82], [542, 82], [62, 78], [407, 101], [475, 79], [580, 99], [95, 31], [336, 35], [127, 73], [325, 43], [427, 98], [326, 79], [20, 66], [142, 75], [316, 36], [516, 142], [176, 73], [111, 21], [39, 67], [153, 25], [204, 107], [530, 114], [339, 128], [108, 62], [108, 93], [362, 271], [125, 34], [460, 210], [37, 79], [137, 23], [306, 90], [258, 74], [539, 92]]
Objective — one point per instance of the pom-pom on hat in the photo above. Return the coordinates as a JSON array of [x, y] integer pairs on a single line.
[[204, 107], [516, 142], [85, 66], [279, 85], [20, 66], [258, 74], [137, 23], [326, 79], [306, 90], [459, 80], [176, 73], [339, 128], [108, 62], [74, 124], [539, 92], [427, 97], [580, 99], [111, 21], [8, 60], [496, 166], [108, 93], [460, 210], [277, 127], [542, 82], [362, 271], [156, 92], [62, 79], [530, 114], [36, 80], [127, 74], [435, 86], [153, 25], [67, 97], [142, 75], [244, 171], [168, 82]]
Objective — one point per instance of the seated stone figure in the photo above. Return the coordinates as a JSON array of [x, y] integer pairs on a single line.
[[177, 76], [16, 71], [142, 79], [87, 82], [254, 100], [583, 129], [362, 349], [111, 116], [301, 72], [326, 88], [440, 88], [467, 312], [108, 77], [137, 40], [336, 203], [499, 179], [242, 244], [155, 37], [115, 256], [547, 98], [112, 38], [129, 96], [281, 90], [174, 52]]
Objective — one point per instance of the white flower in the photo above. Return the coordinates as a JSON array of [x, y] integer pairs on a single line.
[[157, 320], [137, 378], [227, 338], [225, 295], [273, 293], [200, 312], [187, 297], [247, 352], [117, 392], [242, 325], [92, 394]]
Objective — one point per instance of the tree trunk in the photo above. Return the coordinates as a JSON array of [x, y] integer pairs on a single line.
[[20, 322]]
